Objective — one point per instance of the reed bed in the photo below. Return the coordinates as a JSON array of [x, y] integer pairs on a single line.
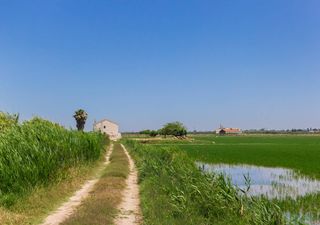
[[39, 152]]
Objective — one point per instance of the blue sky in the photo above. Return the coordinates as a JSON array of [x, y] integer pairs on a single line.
[[248, 64]]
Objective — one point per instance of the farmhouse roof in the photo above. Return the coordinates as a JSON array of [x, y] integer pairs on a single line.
[[101, 121], [231, 129]]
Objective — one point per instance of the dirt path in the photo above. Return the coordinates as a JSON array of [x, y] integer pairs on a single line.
[[129, 208], [63, 212]]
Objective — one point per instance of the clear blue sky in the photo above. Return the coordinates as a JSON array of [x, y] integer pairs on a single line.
[[247, 64]]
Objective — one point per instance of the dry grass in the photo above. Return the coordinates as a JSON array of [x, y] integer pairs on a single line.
[[101, 206]]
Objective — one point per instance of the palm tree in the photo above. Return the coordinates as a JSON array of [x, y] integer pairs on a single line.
[[81, 116]]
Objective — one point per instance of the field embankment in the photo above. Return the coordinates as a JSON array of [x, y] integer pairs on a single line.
[[174, 191]]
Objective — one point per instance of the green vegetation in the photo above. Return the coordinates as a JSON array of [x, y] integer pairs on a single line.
[[298, 152], [147, 132], [176, 129], [42, 200], [151, 133], [174, 191], [100, 207], [301, 153], [81, 118], [7, 121], [39, 153]]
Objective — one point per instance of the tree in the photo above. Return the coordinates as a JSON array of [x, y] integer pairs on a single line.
[[80, 117], [176, 129], [153, 133], [145, 132]]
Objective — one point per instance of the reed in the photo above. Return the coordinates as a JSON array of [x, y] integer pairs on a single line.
[[39, 152], [175, 191]]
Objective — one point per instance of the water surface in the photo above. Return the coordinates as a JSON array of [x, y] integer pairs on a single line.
[[271, 182]]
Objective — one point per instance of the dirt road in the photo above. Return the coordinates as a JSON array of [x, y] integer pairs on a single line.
[[129, 208], [63, 212]]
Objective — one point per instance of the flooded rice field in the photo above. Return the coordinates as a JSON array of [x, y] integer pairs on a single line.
[[278, 183]]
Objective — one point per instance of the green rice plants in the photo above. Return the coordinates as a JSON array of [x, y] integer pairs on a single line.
[[39, 152], [298, 152]]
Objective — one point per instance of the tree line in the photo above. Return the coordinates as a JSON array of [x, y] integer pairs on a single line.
[[176, 129]]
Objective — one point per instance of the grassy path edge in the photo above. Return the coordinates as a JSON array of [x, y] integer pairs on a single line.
[[101, 207], [129, 208], [67, 208]]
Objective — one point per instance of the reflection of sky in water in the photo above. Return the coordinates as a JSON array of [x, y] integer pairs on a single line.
[[271, 182], [303, 218]]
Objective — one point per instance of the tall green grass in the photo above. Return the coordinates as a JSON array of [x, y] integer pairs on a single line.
[[7, 120], [39, 152], [174, 191]]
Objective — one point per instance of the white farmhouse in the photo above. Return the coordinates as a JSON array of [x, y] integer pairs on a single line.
[[108, 127]]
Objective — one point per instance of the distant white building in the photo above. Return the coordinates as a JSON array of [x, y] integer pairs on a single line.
[[108, 127]]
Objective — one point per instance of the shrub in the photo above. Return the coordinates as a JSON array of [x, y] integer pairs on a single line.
[[175, 128], [145, 132], [153, 133]]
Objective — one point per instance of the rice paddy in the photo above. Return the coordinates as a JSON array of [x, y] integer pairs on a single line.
[[273, 183], [174, 191], [282, 168]]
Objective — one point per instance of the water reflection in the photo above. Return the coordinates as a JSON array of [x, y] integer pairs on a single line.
[[271, 182], [303, 218]]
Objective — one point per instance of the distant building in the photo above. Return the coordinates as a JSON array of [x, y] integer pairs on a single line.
[[108, 127], [223, 130]]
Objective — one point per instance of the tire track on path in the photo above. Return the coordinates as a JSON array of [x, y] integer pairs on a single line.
[[67, 208]]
